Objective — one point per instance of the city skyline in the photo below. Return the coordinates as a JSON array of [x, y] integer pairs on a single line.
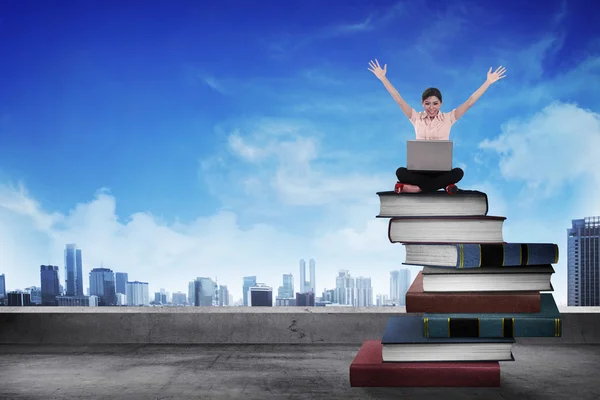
[[63, 282], [582, 254], [234, 141]]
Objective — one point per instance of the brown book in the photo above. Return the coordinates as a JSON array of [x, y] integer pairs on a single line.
[[418, 301], [369, 370]]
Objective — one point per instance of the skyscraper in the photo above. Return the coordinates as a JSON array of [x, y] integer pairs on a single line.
[[307, 286], [312, 284], [50, 284], [2, 286], [302, 282], [122, 279], [287, 290], [36, 294], [223, 296], [179, 298], [205, 292], [345, 290], [73, 270], [249, 281], [102, 284], [191, 293], [583, 262], [399, 283], [364, 292], [138, 294]]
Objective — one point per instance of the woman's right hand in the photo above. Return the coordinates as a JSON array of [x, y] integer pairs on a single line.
[[376, 69]]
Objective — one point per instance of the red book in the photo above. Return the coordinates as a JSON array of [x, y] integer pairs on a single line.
[[368, 370], [418, 301]]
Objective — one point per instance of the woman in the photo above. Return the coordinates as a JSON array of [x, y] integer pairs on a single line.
[[431, 124]]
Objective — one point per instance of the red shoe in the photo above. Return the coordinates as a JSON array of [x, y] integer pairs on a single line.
[[451, 189], [398, 187]]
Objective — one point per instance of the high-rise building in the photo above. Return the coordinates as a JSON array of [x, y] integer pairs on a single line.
[[205, 292], [36, 294], [50, 284], [382, 300], [73, 270], [364, 292], [121, 298], [329, 296], [345, 293], [2, 286], [179, 298], [399, 284], [102, 284], [122, 279], [312, 284], [160, 298], [261, 295], [249, 281], [18, 298], [304, 300], [583, 262], [74, 301], [287, 290], [223, 296], [138, 294], [191, 293], [302, 281], [307, 286]]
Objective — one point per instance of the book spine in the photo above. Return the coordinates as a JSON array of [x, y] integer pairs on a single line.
[[487, 205], [399, 375], [514, 302], [491, 327], [505, 254]]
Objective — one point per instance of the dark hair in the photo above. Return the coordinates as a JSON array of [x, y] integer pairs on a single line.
[[432, 92]]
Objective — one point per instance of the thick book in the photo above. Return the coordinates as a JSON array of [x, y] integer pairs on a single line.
[[546, 323], [481, 255], [464, 202], [403, 341], [491, 279], [418, 301], [441, 229], [369, 370]]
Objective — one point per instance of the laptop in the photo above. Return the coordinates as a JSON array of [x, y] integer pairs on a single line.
[[429, 155]]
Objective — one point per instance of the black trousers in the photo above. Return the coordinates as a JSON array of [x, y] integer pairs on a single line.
[[429, 181]]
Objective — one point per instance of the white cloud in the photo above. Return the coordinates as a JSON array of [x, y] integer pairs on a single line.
[[170, 255], [239, 147], [287, 161], [291, 165], [553, 155], [278, 168], [213, 83], [551, 151]]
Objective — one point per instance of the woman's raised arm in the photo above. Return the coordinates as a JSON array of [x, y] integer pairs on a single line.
[[491, 78], [380, 74]]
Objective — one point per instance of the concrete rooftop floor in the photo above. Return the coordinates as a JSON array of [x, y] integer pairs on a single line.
[[292, 371]]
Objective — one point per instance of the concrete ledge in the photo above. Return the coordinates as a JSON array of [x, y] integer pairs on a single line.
[[228, 325]]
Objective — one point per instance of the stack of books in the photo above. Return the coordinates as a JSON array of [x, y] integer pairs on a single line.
[[475, 295]]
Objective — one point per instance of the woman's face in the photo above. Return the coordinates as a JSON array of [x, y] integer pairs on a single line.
[[432, 106]]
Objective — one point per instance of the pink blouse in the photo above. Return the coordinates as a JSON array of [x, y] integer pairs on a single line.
[[437, 128]]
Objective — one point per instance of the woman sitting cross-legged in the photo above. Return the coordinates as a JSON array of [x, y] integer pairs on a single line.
[[431, 124]]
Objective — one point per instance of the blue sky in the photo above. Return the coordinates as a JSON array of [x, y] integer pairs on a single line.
[[184, 139]]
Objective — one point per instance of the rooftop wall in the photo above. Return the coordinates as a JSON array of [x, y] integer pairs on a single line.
[[230, 325]]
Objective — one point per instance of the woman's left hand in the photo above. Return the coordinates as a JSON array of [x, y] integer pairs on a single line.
[[496, 75]]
